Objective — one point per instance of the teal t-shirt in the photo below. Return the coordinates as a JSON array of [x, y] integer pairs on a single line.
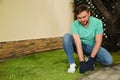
[[87, 34]]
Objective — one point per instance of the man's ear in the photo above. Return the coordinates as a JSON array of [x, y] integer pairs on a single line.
[[89, 13]]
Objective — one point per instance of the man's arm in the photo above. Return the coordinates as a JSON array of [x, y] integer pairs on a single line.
[[78, 46], [98, 42]]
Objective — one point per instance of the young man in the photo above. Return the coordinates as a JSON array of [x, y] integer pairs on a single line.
[[86, 37]]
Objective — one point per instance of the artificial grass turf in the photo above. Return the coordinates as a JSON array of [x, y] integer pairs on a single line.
[[50, 65]]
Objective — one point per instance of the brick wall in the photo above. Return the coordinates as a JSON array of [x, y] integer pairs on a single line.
[[24, 47]]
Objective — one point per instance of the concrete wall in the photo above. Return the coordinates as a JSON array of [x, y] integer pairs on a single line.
[[32, 26], [33, 19]]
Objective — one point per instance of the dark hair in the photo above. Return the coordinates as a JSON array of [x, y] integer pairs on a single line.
[[80, 9]]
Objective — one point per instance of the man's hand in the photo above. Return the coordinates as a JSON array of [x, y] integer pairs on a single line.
[[83, 67], [90, 63]]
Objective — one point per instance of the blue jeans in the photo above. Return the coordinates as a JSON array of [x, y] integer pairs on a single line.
[[103, 56]]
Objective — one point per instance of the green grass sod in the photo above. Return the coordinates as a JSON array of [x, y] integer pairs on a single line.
[[50, 65]]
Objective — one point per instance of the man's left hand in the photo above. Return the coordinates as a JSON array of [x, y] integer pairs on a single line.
[[90, 63]]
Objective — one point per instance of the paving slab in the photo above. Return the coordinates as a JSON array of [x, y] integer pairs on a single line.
[[104, 73]]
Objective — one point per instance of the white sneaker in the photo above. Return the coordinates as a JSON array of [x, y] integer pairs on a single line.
[[72, 68]]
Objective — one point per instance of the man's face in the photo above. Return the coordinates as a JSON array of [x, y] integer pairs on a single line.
[[83, 18]]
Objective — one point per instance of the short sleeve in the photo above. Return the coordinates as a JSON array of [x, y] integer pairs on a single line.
[[99, 27], [74, 28]]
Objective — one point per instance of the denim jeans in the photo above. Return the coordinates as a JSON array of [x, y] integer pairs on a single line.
[[103, 56]]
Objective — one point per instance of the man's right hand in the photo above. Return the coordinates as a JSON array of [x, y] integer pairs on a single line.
[[83, 67]]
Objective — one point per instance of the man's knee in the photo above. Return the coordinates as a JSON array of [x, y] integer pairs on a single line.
[[66, 37], [108, 61]]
